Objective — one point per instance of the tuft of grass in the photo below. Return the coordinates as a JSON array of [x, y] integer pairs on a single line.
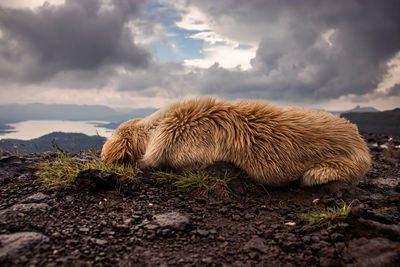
[[327, 217], [63, 170], [388, 154], [196, 181]]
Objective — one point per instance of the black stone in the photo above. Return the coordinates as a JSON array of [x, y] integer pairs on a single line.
[[96, 180]]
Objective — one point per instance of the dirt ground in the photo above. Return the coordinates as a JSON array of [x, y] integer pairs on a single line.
[[155, 225]]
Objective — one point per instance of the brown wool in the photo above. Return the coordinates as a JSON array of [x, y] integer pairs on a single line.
[[273, 145]]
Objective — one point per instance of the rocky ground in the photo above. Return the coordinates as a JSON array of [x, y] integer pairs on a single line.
[[153, 224]]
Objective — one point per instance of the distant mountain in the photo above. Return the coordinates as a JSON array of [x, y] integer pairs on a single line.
[[72, 142], [16, 112], [384, 122], [358, 108], [110, 125], [131, 114], [5, 128], [362, 109]]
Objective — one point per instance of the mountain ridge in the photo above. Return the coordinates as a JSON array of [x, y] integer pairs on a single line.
[[71, 142]]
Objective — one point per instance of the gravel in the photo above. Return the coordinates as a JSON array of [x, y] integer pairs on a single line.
[[155, 225]]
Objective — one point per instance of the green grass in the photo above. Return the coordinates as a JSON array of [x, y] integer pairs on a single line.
[[63, 170], [328, 217], [196, 181]]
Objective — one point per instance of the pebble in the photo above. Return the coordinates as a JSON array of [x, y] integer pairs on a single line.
[[12, 246], [95, 180], [379, 217], [24, 208], [221, 238], [268, 234], [315, 239], [289, 247], [213, 231], [151, 226], [373, 252], [172, 220], [165, 232], [336, 237], [122, 228], [101, 242], [327, 257], [389, 229], [202, 233], [316, 246], [174, 247], [35, 198], [357, 211], [256, 243], [207, 260], [236, 217], [56, 235], [253, 255], [84, 229], [248, 216]]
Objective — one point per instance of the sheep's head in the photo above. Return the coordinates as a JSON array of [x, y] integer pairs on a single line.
[[126, 145]]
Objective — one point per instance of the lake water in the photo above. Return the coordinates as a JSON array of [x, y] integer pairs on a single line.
[[26, 130]]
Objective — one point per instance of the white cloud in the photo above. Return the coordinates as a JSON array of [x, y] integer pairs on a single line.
[[393, 75], [192, 19], [211, 38], [103, 96], [28, 3], [148, 34], [326, 55], [227, 56], [217, 48], [327, 36]]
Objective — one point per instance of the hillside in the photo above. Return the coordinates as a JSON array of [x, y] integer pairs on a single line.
[[72, 142], [385, 122]]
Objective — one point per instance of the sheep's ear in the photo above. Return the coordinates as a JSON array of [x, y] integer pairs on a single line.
[[118, 150]]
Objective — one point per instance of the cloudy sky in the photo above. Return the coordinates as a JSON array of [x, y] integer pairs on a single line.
[[144, 53]]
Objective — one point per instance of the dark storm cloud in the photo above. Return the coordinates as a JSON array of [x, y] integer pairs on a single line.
[[394, 90], [77, 36], [308, 50], [162, 80], [317, 49]]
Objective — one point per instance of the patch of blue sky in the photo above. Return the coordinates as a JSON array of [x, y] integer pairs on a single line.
[[244, 46], [153, 7], [177, 45], [178, 48], [161, 13]]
